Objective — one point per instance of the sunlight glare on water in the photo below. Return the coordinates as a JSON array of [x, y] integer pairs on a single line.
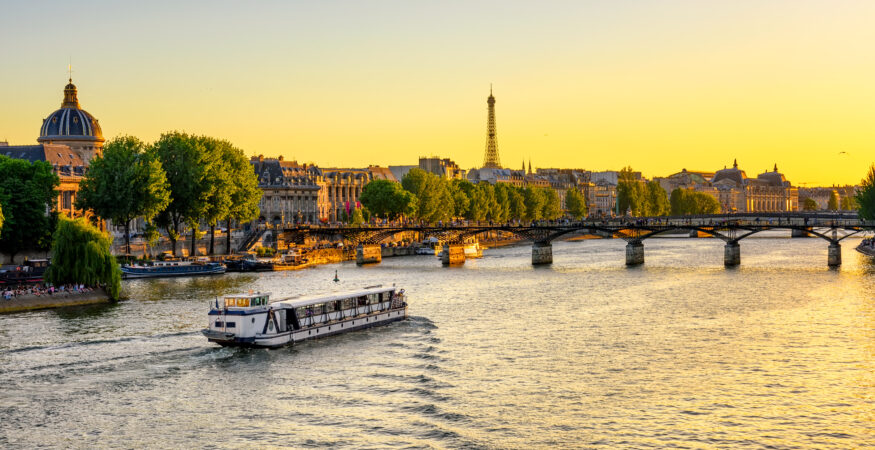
[[583, 353]]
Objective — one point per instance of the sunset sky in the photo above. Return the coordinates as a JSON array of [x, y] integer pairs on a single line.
[[658, 85]]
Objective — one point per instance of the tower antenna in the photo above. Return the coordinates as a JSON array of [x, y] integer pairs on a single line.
[[70, 70]]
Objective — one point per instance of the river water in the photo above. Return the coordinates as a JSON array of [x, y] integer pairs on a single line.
[[779, 352]]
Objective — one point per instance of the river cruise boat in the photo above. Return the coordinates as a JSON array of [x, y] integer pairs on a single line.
[[172, 269], [253, 320], [867, 246]]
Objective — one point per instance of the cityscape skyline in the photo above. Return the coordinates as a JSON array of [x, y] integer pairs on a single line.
[[644, 89]]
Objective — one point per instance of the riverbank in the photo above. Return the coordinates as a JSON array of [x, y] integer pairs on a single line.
[[56, 300]]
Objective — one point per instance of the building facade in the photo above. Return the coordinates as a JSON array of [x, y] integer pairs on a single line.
[[291, 192]]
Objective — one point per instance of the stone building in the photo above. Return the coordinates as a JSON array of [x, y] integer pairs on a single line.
[[442, 167], [292, 192], [343, 189], [66, 164], [768, 192], [69, 138]]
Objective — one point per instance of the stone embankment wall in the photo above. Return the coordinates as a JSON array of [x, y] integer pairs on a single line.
[[56, 300]]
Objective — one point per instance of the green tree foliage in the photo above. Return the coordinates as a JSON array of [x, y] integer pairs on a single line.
[[81, 255], [460, 190], [552, 207], [387, 200], [630, 193], [865, 197], [126, 182], [575, 203], [534, 201], [809, 204], [687, 201], [848, 203], [27, 192], [244, 192], [185, 161], [833, 204], [434, 199], [502, 201], [516, 204], [655, 200], [357, 218]]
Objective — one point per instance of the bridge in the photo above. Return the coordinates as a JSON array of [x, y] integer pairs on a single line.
[[730, 228]]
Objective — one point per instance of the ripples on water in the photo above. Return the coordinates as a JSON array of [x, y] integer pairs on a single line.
[[584, 353]]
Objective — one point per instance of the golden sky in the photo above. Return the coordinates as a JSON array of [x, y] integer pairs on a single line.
[[658, 85]]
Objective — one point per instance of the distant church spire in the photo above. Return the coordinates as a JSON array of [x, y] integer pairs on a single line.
[[530, 166], [490, 160], [776, 167], [734, 163]]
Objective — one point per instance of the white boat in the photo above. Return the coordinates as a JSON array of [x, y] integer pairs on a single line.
[[867, 246], [252, 320]]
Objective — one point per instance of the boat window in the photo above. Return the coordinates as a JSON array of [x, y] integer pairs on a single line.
[[363, 300], [329, 307], [317, 309], [242, 302], [225, 324], [348, 303], [230, 302]]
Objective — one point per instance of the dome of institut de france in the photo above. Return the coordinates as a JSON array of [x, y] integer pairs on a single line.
[[70, 122]]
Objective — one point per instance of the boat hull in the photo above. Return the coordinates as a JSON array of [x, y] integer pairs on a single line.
[[282, 339], [132, 274], [868, 251]]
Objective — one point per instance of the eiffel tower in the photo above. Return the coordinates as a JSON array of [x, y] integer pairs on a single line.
[[490, 161]]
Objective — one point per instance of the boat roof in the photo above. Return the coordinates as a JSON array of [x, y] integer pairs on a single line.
[[249, 295], [296, 302]]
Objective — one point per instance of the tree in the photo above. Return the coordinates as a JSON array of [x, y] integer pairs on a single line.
[[833, 203], [534, 201], [126, 182], [81, 255], [865, 197], [517, 204], [552, 208], [386, 199], [433, 194], [630, 192], [808, 204], [244, 192], [575, 203], [184, 160], [687, 201], [357, 218], [656, 200], [460, 190], [502, 201], [847, 203], [27, 193]]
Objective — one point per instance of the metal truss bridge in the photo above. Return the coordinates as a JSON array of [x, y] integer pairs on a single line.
[[730, 228]]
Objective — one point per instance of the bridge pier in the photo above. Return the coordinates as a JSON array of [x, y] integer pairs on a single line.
[[453, 255], [542, 253], [368, 254], [634, 253], [731, 254], [834, 254]]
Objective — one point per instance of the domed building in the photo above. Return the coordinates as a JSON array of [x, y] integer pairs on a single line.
[[73, 126], [768, 192]]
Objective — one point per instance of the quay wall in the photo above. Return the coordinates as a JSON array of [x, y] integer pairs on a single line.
[[56, 300]]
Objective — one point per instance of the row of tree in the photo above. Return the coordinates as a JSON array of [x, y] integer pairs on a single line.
[[430, 198], [648, 199], [178, 181]]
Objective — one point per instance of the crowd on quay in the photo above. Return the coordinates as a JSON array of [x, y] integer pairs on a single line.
[[39, 290]]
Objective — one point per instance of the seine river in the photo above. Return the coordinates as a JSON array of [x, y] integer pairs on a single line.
[[680, 352]]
